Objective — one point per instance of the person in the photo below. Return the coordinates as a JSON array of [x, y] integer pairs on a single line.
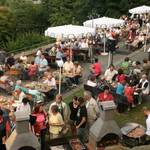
[[106, 95], [43, 65], [50, 81], [146, 67], [40, 124], [73, 105], [147, 113], [125, 66], [92, 81], [10, 60], [121, 76], [68, 66], [81, 119], [32, 69], [38, 58], [24, 58], [92, 109], [96, 68], [56, 122], [4, 129], [77, 72], [62, 107], [110, 73], [24, 106], [143, 87], [120, 88], [40, 115], [129, 93]]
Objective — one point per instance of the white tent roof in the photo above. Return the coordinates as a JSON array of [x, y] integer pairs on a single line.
[[140, 10], [67, 31], [104, 22]]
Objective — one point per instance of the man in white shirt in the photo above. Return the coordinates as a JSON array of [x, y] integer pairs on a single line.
[[43, 65], [68, 66], [50, 81], [110, 73], [92, 108]]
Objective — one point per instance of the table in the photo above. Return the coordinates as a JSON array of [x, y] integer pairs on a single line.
[[41, 87]]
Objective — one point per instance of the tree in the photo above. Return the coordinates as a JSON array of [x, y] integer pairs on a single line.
[[6, 25]]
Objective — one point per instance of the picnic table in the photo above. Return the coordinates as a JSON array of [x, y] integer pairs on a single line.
[[41, 87]]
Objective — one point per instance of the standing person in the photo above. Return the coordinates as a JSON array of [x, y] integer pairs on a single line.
[[56, 122], [96, 68], [62, 107], [129, 93], [143, 87], [92, 109], [73, 113], [147, 113], [125, 66], [40, 125], [81, 119], [4, 130]]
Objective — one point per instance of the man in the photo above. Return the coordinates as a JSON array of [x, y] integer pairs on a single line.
[[81, 119], [143, 87], [43, 65], [62, 107], [50, 81], [110, 73], [68, 66], [92, 108]]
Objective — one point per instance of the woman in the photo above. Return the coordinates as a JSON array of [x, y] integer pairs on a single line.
[[39, 123], [56, 122], [40, 115], [73, 113], [121, 76], [32, 70], [106, 95]]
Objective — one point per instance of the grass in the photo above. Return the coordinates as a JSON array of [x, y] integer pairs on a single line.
[[135, 115]]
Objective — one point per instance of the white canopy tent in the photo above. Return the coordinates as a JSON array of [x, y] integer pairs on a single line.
[[104, 22], [140, 10], [69, 31]]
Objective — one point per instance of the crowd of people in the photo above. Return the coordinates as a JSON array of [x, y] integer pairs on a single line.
[[126, 85]]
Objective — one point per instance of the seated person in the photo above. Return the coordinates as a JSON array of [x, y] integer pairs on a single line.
[[50, 81], [110, 73], [120, 76], [32, 69], [77, 71], [106, 95], [24, 58], [68, 71], [92, 81], [6, 81]]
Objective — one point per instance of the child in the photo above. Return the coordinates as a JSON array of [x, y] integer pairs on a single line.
[[129, 93]]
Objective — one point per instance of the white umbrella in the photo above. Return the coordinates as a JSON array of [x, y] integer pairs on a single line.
[[104, 22], [140, 10], [68, 30]]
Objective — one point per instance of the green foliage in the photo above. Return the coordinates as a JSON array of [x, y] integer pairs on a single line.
[[25, 41]]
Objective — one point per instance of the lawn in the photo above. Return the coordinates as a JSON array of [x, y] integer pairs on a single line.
[[135, 115]]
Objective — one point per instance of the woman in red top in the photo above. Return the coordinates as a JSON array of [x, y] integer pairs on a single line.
[[96, 68], [32, 70], [129, 93], [40, 115], [120, 77], [106, 95]]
